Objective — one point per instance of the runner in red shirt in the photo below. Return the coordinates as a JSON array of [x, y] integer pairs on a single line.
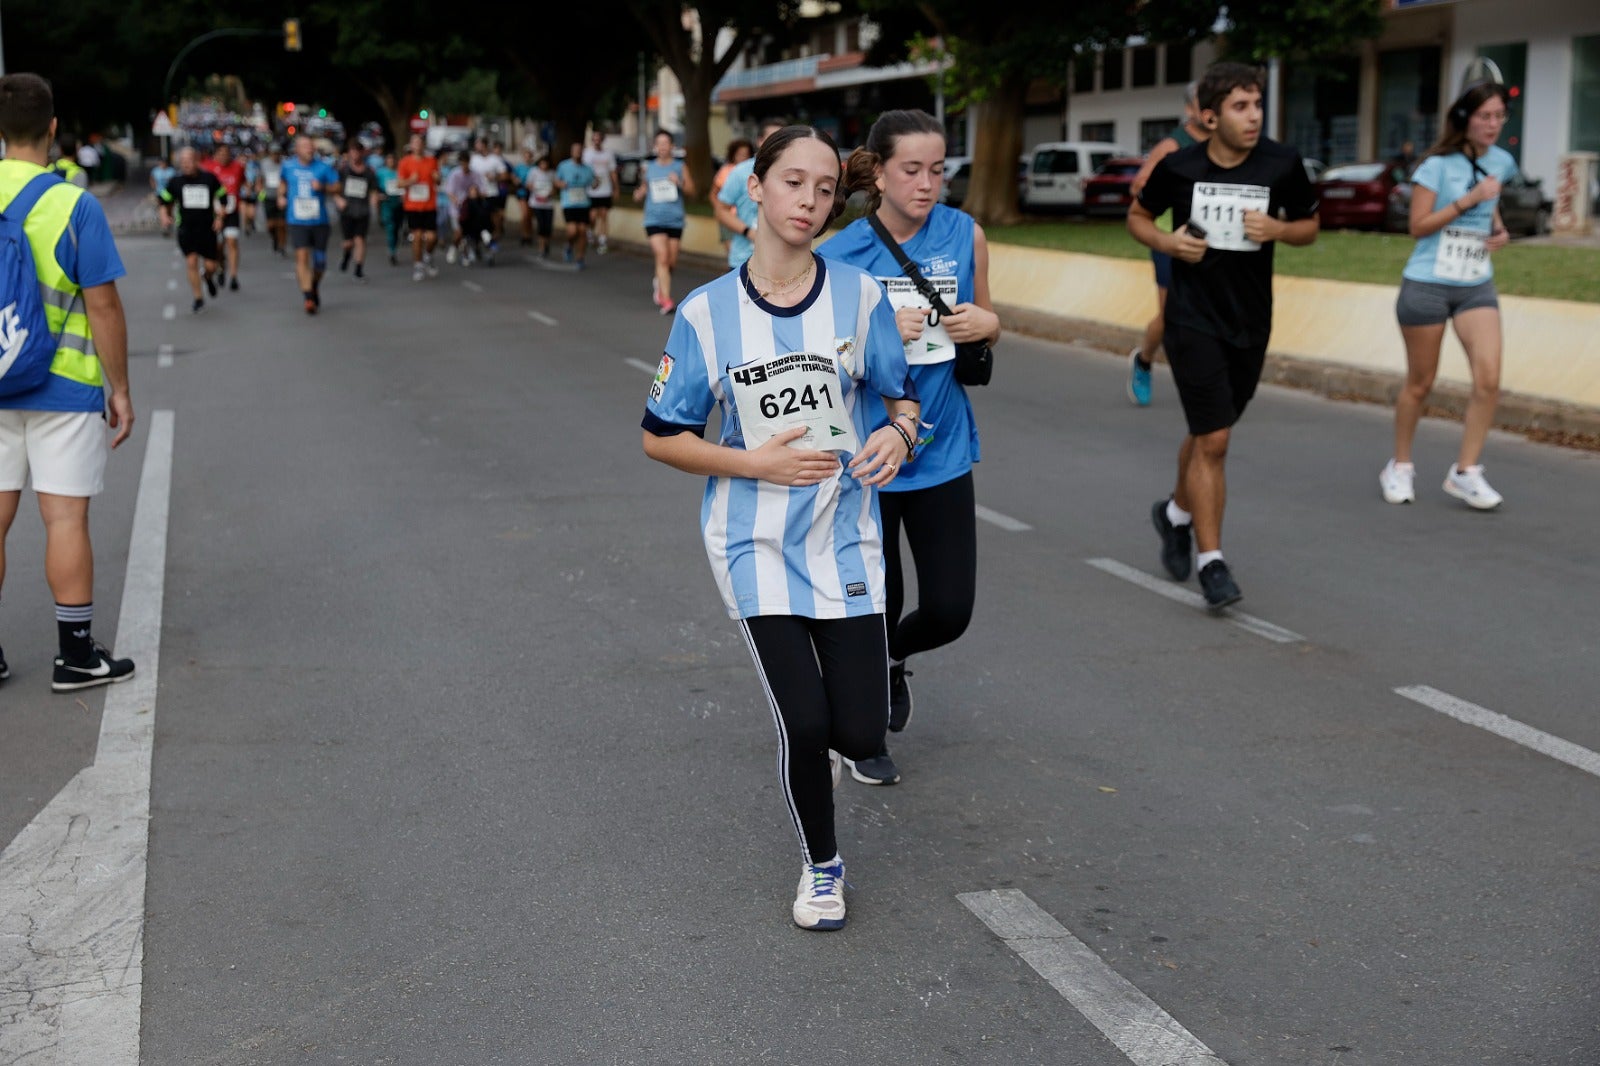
[[230, 172], [418, 175]]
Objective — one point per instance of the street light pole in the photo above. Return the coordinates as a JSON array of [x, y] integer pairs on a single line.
[[166, 86]]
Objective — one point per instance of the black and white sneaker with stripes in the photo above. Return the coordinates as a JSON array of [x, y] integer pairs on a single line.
[[99, 669], [5, 671]]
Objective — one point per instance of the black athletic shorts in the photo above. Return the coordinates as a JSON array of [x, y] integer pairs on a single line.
[[353, 226], [1215, 379], [230, 221], [497, 202], [675, 232], [544, 218], [425, 221], [195, 240], [576, 216], [274, 212], [314, 237], [599, 201]]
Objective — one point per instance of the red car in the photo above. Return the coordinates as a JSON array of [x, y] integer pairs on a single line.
[[1110, 191], [1356, 195]]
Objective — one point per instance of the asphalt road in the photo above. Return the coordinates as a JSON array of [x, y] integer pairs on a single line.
[[458, 761]]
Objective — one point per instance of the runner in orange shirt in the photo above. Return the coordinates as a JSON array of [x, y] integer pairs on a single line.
[[418, 174]]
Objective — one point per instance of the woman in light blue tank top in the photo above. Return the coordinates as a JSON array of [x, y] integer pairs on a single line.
[[1455, 216], [665, 184]]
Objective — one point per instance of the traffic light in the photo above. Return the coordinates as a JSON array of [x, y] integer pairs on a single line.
[[288, 107], [423, 113], [291, 35], [322, 112], [290, 131]]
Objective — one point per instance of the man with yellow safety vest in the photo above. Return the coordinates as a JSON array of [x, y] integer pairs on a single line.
[[67, 166], [56, 432]]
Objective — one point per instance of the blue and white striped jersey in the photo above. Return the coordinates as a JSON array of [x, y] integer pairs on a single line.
[[815, 551]]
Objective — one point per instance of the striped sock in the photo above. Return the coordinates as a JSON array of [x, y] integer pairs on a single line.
[[72, 626]]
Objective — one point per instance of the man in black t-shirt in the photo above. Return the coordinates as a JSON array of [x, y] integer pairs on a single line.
[[356, 200], [199, 202], [1232, 197]]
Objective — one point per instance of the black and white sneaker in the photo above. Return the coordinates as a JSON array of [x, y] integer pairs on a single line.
[[211, 285], [1217, 583], [1175, 543], [899, 698], [99, 669], [878, 770], [5, 672]]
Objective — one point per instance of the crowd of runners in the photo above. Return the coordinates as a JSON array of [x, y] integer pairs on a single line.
[[841, 370]]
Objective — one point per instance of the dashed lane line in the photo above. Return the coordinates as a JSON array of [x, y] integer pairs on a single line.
[[1005, 522], [1161, 587], [540, 316], [164, 356], [1140, 1029], [472, 286], [1501, 726], [640, 364], [169, 312]]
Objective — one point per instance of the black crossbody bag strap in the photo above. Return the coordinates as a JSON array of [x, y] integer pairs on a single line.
[[909, 269]]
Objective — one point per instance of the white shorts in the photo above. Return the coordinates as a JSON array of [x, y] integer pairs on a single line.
[[230, 233], [64, 450]]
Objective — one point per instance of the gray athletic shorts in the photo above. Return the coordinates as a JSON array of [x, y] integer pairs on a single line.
[[1426, 303]]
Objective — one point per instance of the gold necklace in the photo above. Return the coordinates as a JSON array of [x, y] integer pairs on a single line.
[[779, 287]]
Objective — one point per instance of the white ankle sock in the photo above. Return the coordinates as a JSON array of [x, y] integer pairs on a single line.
[[1204, 559], [1177, 515]]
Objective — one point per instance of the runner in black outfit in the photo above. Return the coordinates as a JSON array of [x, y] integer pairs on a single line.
[[1232, 198], [196, 198]]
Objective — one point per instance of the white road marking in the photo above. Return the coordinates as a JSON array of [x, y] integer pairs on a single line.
[[640, 364], [169, 312], [72, 883], [164, 356], [1005, 522], [472, 286], [539, 316], [172, 286], [1140, 1029], [1162, 587], [1501, 726]]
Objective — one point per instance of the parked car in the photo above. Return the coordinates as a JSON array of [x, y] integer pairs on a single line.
[[1110, 191], [1356, 195], [958, 174], [1523, 207], [1058, 170]]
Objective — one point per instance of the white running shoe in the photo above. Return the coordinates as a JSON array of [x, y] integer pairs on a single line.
[[450, 254], [819, 902], [836, 766], [416, 272], [427, 264], [1398, 482], [1471, 487]]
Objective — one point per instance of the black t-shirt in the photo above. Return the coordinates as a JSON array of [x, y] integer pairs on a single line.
[[195, 209], [356, 188], [1228, 294]]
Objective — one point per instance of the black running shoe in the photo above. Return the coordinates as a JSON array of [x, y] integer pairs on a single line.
[[211, 285], [1175, 550], [899, 698], [99, 669], [878, 770], [1217, 583], [344, 264], [316, 294], [5, 671], [233, 283], [199, 306]]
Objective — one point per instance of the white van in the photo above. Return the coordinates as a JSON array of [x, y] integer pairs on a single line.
[[1057, 171]]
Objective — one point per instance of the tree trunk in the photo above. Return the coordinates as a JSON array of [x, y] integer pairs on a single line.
[[697, 147], [992, 191], [397, 111]]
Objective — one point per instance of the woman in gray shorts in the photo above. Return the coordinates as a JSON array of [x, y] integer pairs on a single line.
[[1449, 279]]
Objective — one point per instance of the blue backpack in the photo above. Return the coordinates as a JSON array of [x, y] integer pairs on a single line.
[[27, 347]]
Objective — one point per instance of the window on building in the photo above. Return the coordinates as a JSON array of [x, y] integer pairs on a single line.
[[1320, 118], [1512, 59], [1152, 130], [1111, 70], [1097, 131], [1083, 73], [1180, 64], [1408, 103], [1144, 67], [1584, 135]]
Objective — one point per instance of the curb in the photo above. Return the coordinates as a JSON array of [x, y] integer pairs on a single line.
[[1541, 420]]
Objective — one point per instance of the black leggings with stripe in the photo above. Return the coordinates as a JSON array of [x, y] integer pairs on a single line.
[[828, 682]]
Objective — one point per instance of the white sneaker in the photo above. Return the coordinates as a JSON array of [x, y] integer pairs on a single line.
[[427, 264], [836, 766], [819, 902], [1397, 480], [1470, 486], [416, 272], [450, 254]]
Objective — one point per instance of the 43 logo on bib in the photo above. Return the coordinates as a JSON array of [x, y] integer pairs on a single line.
[[794, 389]]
